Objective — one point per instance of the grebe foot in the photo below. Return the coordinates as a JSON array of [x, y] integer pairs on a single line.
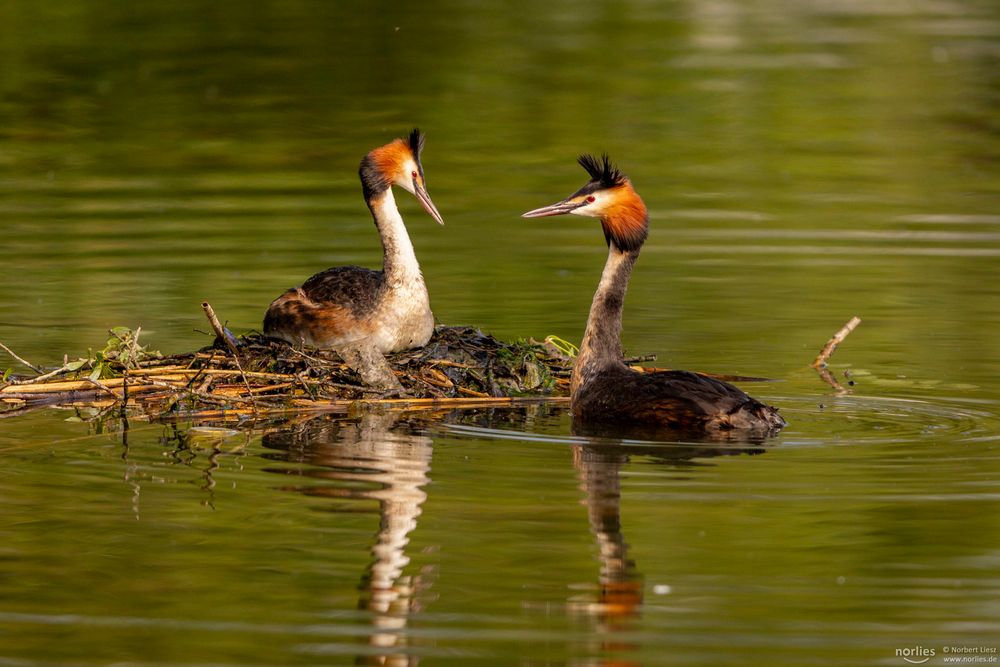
[[372, 366]]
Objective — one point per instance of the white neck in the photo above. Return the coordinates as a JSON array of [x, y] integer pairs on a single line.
[[399, 262]]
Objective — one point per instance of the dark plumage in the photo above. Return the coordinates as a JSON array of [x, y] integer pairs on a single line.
[[603, 173], [603, 388], [679, 400], [327, 305], [352, 287], [417, 139]]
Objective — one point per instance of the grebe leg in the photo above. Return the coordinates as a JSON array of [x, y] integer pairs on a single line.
[[372, 366]]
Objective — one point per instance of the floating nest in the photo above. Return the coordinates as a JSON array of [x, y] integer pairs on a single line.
[[252, 375], [459, 366]]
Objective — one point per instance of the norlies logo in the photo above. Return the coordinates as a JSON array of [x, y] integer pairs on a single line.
[[917, 655]]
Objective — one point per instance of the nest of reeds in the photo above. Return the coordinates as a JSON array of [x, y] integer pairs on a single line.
[[254, 374]]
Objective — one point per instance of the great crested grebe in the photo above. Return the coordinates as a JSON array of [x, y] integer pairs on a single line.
[[603, 388], [362, 313]]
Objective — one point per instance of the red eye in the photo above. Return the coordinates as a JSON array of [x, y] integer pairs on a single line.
[[413, 174], [591, 199]]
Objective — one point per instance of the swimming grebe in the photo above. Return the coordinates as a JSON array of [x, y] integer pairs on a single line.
[[603, 388], [362, 313]]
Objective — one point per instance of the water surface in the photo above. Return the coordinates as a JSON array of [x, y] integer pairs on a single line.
[[802, 162]]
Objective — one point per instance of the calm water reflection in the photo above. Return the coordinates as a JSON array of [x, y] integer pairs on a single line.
[[802, 162], [585, 551], [371, 460], [599, 467]]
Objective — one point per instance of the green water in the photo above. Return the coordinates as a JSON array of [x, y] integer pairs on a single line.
[[802, 162]]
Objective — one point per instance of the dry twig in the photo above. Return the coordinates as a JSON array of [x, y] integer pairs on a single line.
[[42, 378], [22, 361], [220, 331], [103, 387], [837, 339]]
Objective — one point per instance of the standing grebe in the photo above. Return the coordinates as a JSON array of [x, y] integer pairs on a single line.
[[362, 313], [603, 388]]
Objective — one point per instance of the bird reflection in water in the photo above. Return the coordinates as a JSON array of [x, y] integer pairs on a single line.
[[371, 458], [619, 591], [599, 465]]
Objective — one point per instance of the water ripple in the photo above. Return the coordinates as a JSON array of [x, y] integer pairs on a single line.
[[853, 419], [872, 420]]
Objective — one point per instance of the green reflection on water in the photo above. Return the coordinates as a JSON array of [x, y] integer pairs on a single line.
[[802, 163]]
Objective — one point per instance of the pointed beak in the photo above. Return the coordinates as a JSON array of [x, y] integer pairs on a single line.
[[561, 208], [425, 199]]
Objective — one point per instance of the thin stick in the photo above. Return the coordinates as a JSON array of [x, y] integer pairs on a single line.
[[837, 339], [220, 331], [305, 385], [135, 345], [44, 392], [324, 363], [446, 362], [103, 387], [203, 396], [216, 325], [41, 378], [26, 363]]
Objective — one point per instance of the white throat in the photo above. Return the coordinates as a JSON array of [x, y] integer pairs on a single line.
[[399, 260]]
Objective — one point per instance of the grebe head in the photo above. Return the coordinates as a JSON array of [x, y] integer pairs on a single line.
[[398, 163], [608, 195]]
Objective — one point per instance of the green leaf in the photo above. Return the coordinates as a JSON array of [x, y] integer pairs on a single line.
[[564, 346], [76, 365], [96, 374]]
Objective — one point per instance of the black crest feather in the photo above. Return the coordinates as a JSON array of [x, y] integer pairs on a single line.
[[417, 139], [602, 171]]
